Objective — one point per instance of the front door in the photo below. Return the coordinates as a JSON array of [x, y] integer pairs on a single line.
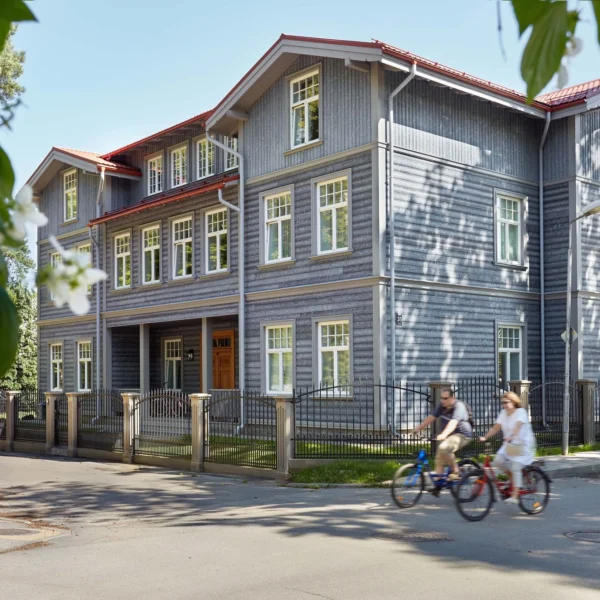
[[223, 360]]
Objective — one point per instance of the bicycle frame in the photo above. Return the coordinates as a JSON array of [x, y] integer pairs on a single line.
[[504, 488], [422, 463]]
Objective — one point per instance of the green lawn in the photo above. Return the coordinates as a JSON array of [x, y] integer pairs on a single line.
[[242, 451], [367, 472]]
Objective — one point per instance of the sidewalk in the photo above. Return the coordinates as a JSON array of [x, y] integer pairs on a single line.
[[574, 465]]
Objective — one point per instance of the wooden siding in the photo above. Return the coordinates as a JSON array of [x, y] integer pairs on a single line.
[[302, 309], [556, 150], [305, 270], [555, 346], [447, 335], [556, 219], [590, 241], [126, 358], [590, 330], [590, 145], [344, 118], [445, 226], [440, 122]]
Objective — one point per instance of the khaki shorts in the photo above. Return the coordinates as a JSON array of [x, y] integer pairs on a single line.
[[450, 445]]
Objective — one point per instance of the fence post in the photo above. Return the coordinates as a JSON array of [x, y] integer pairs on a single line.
[[588, 391], [128, 404], [521, 388], [10, 420], [72, 423], [435, 389], [198, 402], [284, 427], [51, 419]]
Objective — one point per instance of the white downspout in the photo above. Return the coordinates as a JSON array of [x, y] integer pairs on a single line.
[[542, 278], [241, 258], [391, 227], [95, 242]]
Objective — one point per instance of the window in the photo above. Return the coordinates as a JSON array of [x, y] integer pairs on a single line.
[[70, 195], [123, 261], [279, 366], [151, 250], [278, 227], [86, 250], [510, 352], [334, 353], [56, 367], [304, 96], [231, 161], [509, 230], [155, 175], [173, 364], [55, 260], [179, 166], [332, 215], [182, 248], [84, 366], [206, 158], [216, 241]]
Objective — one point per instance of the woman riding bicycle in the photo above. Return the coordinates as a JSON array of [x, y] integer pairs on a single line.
[[518, 449]]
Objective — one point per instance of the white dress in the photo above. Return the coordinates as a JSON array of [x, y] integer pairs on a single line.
[[525, 436]]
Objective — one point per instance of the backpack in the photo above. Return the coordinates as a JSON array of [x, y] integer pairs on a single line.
[[471, 420]]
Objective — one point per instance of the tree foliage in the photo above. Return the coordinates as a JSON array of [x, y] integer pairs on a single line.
[[11, 69]]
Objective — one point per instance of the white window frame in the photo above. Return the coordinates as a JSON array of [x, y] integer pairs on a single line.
[[155, 249], [345, 320], [122, 256], [80, 250], [231, 161], [55, 260], [280, 352], [305, 103], [160, 175], [174, 360], [521, 350], [70, 194], [182, 153], [279, 221], [501, 224], [333, 208], [181, 242], [205, 159], [216, 234], [87, 385], [59, 363]]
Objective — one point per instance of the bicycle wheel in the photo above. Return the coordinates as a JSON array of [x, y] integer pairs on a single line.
[[408, 485], [535, 493], [474, 495], [464, 465]]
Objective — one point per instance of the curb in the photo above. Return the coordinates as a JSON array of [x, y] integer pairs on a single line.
[[579, 471]]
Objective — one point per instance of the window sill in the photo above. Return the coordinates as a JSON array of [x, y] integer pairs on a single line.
[[174, 187], [154, 284], [180, 280], [69, 222], [282, 264], [511, 266], [217, 275], [121, 290], [304, 147], [340, 254]]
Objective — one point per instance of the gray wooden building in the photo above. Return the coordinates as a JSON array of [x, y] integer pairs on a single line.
[[325, 205]]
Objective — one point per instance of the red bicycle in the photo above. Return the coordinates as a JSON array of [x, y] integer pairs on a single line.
[[475, 492]]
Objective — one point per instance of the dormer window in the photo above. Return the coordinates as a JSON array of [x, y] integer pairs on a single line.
[[70, 195], [231, 161], [205, 153], [179, 166], [155, 175], [304, 99]]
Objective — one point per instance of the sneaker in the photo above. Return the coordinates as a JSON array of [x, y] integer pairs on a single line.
[[511, 500], [435, 491], [453, 477]]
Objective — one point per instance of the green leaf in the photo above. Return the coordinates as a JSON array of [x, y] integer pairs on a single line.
[[4, 31], [528, 12], [545, 48], [3, 271], [596, 8], [7, 176], [9, 332], [15, 10]]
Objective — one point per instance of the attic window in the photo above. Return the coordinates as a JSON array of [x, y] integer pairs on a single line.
[[304, 103], [70, 195]]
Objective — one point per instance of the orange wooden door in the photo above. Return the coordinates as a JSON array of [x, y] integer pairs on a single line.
[[223, 360]]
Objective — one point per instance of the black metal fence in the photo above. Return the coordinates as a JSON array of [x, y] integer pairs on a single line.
[[240, 429], [100, 420], [161, 424], [30, 416], [3, 408], [361, 420], [61, 420], [597, 413]]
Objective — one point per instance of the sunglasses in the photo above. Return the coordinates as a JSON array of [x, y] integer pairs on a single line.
[[446, 397], [506, 403]]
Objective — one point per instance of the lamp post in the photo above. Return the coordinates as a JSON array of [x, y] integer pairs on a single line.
[[591, 209]]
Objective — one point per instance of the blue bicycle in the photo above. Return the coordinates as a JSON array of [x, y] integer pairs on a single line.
[[409, 481]]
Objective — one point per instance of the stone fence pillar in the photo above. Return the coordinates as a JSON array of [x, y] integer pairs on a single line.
[[51, 398], [588, 395], [10, 420], [129, 400], [284, 415], [435, 389], [199, 429], [73, 423], [521, 388]]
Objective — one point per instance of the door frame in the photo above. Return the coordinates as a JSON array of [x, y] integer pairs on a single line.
[[220, 334]]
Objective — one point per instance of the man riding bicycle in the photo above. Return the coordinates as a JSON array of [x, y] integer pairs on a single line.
[[456, 433]]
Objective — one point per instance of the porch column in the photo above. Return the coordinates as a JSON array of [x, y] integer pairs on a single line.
[[207, 364], [144, 359], [588, 392]]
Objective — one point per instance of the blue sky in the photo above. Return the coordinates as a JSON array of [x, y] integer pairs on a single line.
[[102, 74]]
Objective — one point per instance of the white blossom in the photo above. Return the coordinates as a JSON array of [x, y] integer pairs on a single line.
[[563, 76], [25, 212]]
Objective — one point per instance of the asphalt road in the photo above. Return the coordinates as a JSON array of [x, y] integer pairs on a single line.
[[147, 533]]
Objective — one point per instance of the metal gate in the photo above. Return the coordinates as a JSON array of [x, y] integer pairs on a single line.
[[61, 421], [161, 425], [100, 420], [240, 429], [30, 416]]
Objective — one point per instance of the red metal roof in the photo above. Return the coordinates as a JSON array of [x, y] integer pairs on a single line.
[[574, 93], [194, 189], [99, 161], [200, 117]]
